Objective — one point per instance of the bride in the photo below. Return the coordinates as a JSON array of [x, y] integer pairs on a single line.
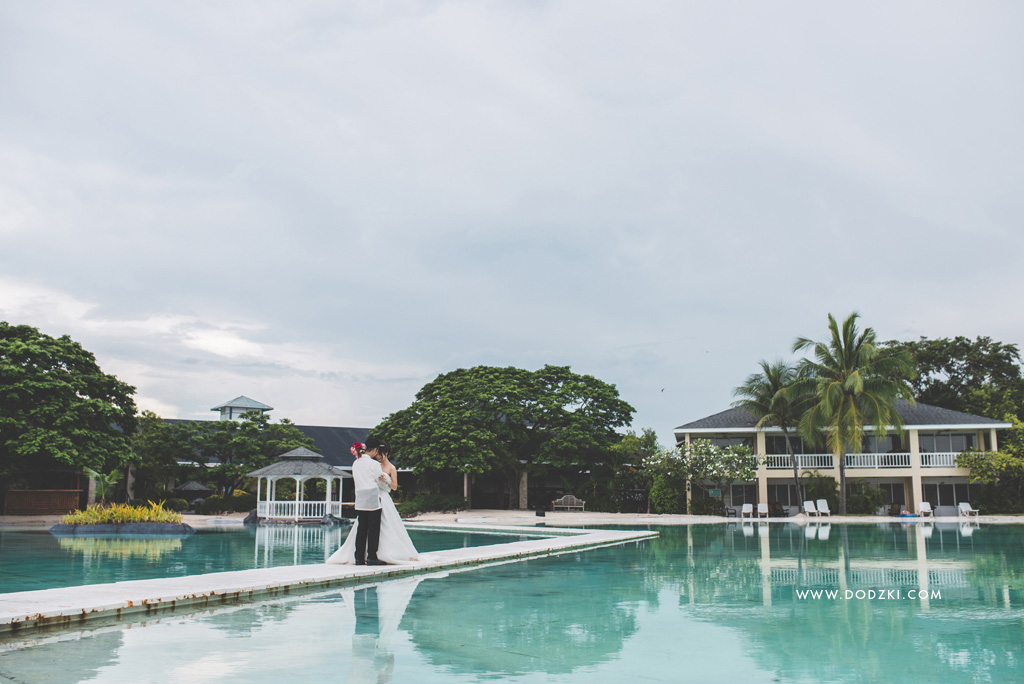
[[395, 546]]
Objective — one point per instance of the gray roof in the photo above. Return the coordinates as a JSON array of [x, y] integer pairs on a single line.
[[301, 463], [244, 403], [192, 486], [918, 414]]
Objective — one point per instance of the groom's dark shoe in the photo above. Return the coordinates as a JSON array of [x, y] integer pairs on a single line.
[[360, 562], [374, 561]]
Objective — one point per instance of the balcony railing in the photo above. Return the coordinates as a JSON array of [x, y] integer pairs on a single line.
[[939, 460], [804, 461], [878, 460]]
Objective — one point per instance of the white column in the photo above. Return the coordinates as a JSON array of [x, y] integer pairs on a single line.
[[328, 484], [298, 491]]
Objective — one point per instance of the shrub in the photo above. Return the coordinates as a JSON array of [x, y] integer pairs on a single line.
[[863, 499], [212, 504], [431, 503], [116, 514], [242, 502], [668, 495], [707, 507], [176, 505]]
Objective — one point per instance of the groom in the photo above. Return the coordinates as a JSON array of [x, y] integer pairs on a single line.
[[368, 479]]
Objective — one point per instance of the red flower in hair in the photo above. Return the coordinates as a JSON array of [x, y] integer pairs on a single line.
[[356, 448]]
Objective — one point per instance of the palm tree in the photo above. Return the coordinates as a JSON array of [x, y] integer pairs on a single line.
[[763, 397], [105, 484], [855, 384]]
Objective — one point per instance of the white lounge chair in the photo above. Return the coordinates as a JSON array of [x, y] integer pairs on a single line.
[[747, 511], [762, 510], [809, 508], [925, 509], [823, 508], [966, 511]]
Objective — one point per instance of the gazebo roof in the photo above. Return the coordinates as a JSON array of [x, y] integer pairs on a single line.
[[301, 463], [192, 486]]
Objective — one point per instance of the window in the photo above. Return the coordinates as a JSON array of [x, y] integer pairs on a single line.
[[894, 493], [776, 445], [784, 494], [725, 442], [743, 494], [890, 444], [946, 494], [946, 442]]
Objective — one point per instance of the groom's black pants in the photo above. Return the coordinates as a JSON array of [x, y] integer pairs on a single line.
[[368, 535]]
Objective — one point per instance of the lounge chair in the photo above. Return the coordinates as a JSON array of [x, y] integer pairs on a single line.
[[809, 508], [762, 510], [965, 510], [925, 509], [747, 511], [895, 509], [775, 510], [823, 508]]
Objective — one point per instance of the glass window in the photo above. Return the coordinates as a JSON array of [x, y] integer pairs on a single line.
[[743, 494], [776, 445], [963, 492], [893, 492], [725, 442], [931, 494], [783, 494], [946, 497], [946, 442]]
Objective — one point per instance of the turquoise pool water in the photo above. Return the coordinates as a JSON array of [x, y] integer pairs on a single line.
[[38, 560], [716, 603]]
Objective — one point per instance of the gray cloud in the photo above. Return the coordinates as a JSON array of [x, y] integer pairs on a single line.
[[324, 206]]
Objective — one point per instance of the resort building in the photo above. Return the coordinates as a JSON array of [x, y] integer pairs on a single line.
[[916, 465]]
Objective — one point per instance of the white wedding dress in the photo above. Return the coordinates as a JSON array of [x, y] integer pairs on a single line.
[[394, 548]]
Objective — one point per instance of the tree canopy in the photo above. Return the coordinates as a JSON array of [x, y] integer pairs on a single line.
[[982, 376], [485, 419], [57, 408]]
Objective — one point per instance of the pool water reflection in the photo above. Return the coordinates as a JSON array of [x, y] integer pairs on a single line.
[[709, 603], [38, 560]]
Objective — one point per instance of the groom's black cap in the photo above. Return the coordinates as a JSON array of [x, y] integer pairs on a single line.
[[372, 443]]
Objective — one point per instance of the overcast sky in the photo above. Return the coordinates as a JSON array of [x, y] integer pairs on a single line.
[[324, 205]]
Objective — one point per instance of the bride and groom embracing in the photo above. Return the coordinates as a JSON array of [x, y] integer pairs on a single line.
[[378, 536]]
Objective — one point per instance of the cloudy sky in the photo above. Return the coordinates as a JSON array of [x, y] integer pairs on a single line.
[[323, 205]]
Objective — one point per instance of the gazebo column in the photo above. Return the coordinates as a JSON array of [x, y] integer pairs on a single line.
[[298, 493], [328, 485]]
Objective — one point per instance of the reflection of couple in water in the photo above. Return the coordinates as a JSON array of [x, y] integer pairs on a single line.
[[378, 536]]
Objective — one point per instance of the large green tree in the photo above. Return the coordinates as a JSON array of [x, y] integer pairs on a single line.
[[507, 421], [978, 376], [764, 396], [58, 409], [232, 448], [158, 447], [855, 384]]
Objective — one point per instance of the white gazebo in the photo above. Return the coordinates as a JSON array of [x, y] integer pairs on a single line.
[[300, 465]]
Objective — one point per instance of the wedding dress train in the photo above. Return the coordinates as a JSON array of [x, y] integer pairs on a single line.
[[394, 548]]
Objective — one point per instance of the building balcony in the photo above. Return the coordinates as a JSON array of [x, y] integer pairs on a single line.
[[866, 461]]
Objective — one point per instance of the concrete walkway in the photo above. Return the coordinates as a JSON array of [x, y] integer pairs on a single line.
[[76, 606]]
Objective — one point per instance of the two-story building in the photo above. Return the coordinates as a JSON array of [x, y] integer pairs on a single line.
[[917, 464]]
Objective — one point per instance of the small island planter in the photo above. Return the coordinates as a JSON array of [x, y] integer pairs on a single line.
[[64, 530]]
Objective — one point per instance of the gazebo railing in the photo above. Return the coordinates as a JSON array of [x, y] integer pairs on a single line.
[[306, 509]]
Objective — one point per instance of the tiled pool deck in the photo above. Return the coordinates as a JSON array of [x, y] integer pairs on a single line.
[[76, 606]]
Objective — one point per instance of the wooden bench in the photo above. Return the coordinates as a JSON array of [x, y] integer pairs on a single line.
[[568, 503]]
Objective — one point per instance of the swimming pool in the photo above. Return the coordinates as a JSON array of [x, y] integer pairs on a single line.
[[710, 603], [38, 560]]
